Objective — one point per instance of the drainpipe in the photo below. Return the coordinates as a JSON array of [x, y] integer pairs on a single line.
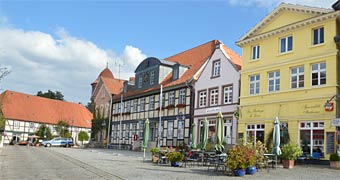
[[109, 127]]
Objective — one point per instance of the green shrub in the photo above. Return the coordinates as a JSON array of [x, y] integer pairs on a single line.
[[334, 157], [154, 150], [174, 156], [291, 152]]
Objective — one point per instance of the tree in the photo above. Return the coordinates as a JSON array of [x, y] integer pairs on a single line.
[[89, 106], [83, 136], [62, 128], [98, 121], [3, 72], [51, 95], [44, 132]]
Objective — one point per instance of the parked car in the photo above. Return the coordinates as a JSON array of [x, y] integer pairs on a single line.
[[62, 142]]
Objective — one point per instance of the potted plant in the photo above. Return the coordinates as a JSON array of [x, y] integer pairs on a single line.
[[175, 158], [155, 154], [334, 161], [290, 153], [239, 158]]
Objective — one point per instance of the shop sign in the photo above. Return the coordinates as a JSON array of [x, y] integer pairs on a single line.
[[329, 106], [212, 110], [335, 122]]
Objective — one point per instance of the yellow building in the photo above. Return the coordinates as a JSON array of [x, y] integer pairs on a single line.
[[290, 69]]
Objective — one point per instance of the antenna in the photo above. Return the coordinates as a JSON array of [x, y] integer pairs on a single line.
[[119, 66]]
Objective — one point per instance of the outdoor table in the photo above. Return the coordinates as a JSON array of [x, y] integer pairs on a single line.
[[271, 159]]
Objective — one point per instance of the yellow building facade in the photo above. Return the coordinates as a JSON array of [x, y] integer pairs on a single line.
[[290, 69]]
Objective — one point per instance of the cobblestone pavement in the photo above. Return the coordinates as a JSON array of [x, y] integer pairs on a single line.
[[116, 164]]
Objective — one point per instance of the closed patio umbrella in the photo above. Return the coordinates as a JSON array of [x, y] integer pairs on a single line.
[[219, 134], [145, 135], [276, 139], [193, 136], [205, 134]]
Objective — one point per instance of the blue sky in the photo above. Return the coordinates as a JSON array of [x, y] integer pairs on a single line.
[[63, 45]]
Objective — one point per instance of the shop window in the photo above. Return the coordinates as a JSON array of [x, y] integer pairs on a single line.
[[312, 135]]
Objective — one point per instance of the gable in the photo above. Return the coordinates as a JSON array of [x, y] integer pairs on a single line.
[[284, 18], [283, 15]]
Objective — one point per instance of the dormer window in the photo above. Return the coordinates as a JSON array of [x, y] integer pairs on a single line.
[[140, 81], [175, 71], [152, 77]]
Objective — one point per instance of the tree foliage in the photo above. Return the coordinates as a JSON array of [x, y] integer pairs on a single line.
[[51, 95], [2, 121], [98, 122], [4, 72], [83, 136], [62, 128], [44, 132], [89, 106]]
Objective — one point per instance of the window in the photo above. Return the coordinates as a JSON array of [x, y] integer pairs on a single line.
[[163, 99], [213, 97], [256, 52], [127, 130], [297, 77], [180, 130], [175, 73], [254, 84], [171, 100], [152, 102], [318, 74], [152, 77], [255, 132], [121, 107], [116, 109], [140, 81], [312, 135], [228, 94], [274, 81], [135, 105], [132, 105], [182, 96], [318, 36], [202, 99], [16, 124], [286, 44], [128, 107], [31, 125], [216, 68], [142, 104], [170, 131]]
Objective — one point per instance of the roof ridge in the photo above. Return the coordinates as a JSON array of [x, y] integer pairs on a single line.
[[215, 40]]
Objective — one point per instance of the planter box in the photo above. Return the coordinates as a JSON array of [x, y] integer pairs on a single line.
[[289, 164], [335, 164]]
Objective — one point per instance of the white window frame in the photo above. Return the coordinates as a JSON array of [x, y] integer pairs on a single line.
[[142, 104], [140, 81], [255, 128], [318, 40], [286, 39], [213, 95], [170, 130], [182, 96], [255, 52], [16, 124], [202, 99], [152, 102], [216, 68], [228, 94], [299, 73], [274, 77], [180, 129], [135, 105], [319, 71], [256, 83], [171, 100]]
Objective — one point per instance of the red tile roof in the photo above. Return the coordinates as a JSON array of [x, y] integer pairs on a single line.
[[25, 107], [105, 73], [193, 58], [114, 86]]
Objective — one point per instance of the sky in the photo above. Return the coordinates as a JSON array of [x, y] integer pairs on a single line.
[[64, 45]]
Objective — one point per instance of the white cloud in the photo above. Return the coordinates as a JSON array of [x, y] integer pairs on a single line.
[[273, 3], [39, 61]]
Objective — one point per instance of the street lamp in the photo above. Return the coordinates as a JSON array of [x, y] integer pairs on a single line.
[[335, 122]]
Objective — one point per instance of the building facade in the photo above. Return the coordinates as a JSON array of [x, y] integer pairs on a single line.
[[217, 90], [25, 113], [172, 77], [290, 69]]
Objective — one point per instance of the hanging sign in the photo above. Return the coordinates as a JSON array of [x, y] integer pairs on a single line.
[[329, 106]]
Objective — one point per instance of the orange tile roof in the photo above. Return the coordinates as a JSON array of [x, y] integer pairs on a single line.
[[25, 107], [193, 58], [114, 86], [105, 73]]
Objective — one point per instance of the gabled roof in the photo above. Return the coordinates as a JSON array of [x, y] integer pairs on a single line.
[[114, 86], [233, 56], [25, 107], [105, 73], [193, 58], [315, 11]]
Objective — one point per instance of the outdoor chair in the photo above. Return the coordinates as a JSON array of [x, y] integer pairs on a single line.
[[193, 159]]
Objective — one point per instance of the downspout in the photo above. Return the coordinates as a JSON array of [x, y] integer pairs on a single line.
[[109, 127]]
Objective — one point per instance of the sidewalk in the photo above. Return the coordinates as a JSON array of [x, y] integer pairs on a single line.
[[130, 165]]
